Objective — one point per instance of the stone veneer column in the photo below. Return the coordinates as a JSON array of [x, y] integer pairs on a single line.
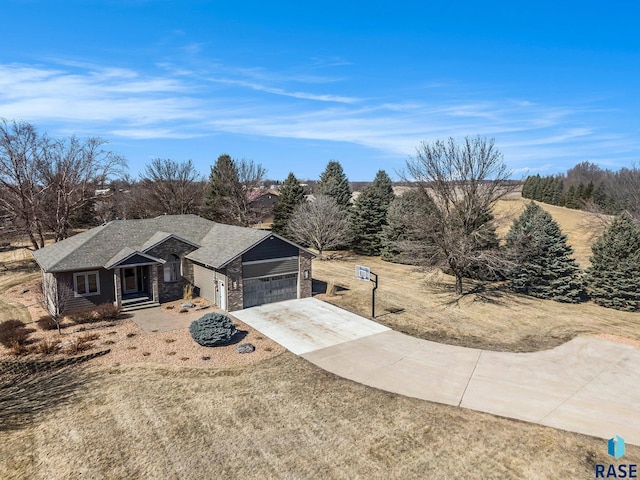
[[304, 290], [117, 285], [234, 276], [154, 283]]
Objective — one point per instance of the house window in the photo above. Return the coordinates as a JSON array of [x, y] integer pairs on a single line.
[[86, 284], [172, 269]]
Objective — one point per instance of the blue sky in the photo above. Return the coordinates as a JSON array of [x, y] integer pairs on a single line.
[[293, 85]]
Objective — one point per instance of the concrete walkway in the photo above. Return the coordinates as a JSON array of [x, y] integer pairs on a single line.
[[587, 385]]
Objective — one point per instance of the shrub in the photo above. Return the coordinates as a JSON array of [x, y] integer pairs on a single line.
[[85, 316], [82, 343], [46, 347], [187, 292], [108, 311], [47, 323], [13, 331], [212, 329], [16, 348]]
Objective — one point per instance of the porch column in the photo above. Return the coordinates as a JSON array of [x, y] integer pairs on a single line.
[[117, 282], [154, 283]]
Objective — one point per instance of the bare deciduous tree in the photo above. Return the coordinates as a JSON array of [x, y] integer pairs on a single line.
[[320, 223], [20, 149], [464, 181], [173, 188], [54, 297], [47, 181], [71, 170]]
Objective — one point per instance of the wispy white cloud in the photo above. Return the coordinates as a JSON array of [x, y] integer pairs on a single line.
[[185, 102], [280, 91]]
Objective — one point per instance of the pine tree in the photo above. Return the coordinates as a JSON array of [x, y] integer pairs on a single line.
[[570, 200], [614, 276], [224, 183], [369, 214], [334, 183], [542, 261], [588, 191], [403, 238], [291, 195]]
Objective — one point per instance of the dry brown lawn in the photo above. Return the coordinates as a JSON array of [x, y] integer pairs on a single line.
[[283, 418], [286, 418], [488, 316]]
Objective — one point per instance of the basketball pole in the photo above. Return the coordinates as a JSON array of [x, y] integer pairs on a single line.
[[373, 295]]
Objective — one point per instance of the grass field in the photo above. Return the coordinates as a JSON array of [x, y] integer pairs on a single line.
[[491, 317], [285, 418]]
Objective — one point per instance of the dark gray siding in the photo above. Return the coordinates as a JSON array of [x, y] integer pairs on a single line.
[[271, 247], [107, 292], [135, 260], [276, 267]]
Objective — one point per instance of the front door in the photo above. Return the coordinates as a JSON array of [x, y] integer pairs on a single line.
[[130, 280], [223, 295]]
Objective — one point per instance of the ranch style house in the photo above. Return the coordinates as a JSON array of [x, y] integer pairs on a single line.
[[151, 261]]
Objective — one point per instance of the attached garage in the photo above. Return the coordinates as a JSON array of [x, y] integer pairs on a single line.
[[277, 288], [242, 267]]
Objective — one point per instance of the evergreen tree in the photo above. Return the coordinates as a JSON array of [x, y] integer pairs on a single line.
[[600, 196], [542, 261], [334, 183], [588, 191], [403, 238], [535, 187], [570, 200], [369, 214], [614, 276], [291, 195], [558, 188], [224, 183]]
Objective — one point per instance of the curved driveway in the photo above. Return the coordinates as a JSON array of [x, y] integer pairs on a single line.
[[587, 385]]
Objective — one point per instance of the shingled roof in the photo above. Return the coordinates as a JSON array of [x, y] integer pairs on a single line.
[[96, 248]]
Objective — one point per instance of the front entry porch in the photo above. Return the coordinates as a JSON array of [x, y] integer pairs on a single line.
[[138, 287]]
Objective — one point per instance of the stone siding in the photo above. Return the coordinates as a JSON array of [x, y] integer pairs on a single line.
[[234, 285], [305, 264], [169, 291]]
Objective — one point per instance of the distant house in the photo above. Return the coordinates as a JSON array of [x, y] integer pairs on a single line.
[[154, 259]]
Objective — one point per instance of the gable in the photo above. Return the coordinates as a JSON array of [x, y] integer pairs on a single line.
[[270, 248], [136, 259]]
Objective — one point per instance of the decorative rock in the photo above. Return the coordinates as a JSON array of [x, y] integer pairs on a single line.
[[188, 305], [245, 348], [203, 307]]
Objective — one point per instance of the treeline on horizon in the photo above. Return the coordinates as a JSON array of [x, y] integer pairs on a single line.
[[588, 187]]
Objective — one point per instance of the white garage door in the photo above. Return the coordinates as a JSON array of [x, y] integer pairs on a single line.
[[258, 291]]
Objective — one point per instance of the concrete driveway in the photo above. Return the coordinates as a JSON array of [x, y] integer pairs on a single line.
[[307, 324], [587, 385]]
